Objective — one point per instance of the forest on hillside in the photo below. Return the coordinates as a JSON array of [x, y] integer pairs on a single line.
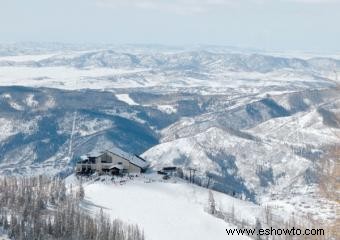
[[43, 208]]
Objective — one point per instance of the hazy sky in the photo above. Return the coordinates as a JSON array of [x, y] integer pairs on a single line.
[[311, 25]]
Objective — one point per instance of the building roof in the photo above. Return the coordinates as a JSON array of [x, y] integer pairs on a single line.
[[169, 169], [95, 154], [135, 160]]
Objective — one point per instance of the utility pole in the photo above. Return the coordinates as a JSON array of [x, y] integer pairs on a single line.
[[192, 174], [209, 178], [193, 177]]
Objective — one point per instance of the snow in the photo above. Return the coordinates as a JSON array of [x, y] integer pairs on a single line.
[[161, 206], [31, 102], [10, 127], [169, 109], [4, 237], [189, 150], [126, 98], [272, 151], [306, 128], [85, 126], [215, 78], [24, 58], [305, 202], [6, 128], [16, 106], [12, 103], [167, 211], [65, 77]]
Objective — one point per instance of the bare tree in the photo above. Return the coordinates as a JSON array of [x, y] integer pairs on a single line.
[[24, 214]]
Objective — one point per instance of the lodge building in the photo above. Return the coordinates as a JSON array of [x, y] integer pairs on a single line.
[[113, 161]]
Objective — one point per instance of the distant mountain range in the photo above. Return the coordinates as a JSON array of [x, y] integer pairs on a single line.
[[195, 60]]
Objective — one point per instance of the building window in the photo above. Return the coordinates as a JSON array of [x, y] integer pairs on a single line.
[[106, 159]]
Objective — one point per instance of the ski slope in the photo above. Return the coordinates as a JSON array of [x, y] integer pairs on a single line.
[[167, 210]]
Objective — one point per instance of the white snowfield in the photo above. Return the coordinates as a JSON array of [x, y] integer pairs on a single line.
[[168, 211], [126, 98], [69, 78], [65, 77]]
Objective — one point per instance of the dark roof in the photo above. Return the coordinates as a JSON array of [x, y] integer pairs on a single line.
[[133, 159], [169, 168]]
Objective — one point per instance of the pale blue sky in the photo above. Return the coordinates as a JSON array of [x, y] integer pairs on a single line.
[[311, 25]]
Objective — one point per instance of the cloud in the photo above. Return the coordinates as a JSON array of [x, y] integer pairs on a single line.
[[198, 6]]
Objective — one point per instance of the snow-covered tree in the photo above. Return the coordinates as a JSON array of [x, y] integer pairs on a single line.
[[211, 204], [258, 226], [81, 192], [24, 213]]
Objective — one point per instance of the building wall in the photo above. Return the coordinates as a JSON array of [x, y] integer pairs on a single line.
[[113, 159], [134, 169]]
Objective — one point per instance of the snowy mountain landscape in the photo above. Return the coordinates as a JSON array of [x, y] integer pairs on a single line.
[[257, 129]]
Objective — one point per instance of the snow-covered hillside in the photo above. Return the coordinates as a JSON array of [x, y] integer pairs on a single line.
[[167, 210], [276, 159]]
